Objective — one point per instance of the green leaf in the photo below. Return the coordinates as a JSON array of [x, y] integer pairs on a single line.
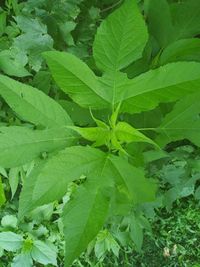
[[121, 38], [22, 260], [19, 145], [125, 133], [44, 253], [31, 104], [183, 122], [14, 179], [10, 241], [2, 194], [9, 221], [75, 78], [186, 18], [10, 65], [83, 218], [160, 21], [165, 84], [3, 16], [136, 233], [42, 187], [181, 50], [132, 181], [99, 135]]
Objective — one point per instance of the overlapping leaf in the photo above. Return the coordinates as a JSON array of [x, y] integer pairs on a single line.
[[32, 105], [19, 145], [183, 122], [121, 38]]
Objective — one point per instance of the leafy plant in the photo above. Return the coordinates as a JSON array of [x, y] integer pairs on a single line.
[[109, 181]]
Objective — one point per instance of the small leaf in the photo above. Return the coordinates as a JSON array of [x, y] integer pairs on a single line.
[[10, 241], [44, 253], [22, 260], [9, 221]]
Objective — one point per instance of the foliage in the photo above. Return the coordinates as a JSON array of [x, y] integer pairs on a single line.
[[95, 137]]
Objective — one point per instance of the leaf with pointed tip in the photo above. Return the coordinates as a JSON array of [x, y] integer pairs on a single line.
[[181, 50], [22, 260], [75, 78], [121, 38], [125, 133], [42, 187], [99, 135], [83, 218], [165, 84], [183, 122], [32, 105], [158, 13], [20, 145]]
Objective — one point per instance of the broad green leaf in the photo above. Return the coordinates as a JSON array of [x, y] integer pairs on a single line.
[[125, 133], [10, 241], [76, 79], [165, 84], [44, 253], [11, 66], [42, 187], [31, 104], [19, 145], [132, 181], [99, 135], [83, 218], [181, 50], [186, 18], [121, 38], [22, 260], [2, 194], [183, 122], [159, 21]]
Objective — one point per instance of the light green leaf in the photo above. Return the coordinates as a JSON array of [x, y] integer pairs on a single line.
[[183, 122], [44, 253], [22, 260], [165, 84], [75, 78], [121, 38], [99, 135], [11, 66], [9, 221], [181, 50], [83, 218], [19, 145], [125, 133], [10, 241], [31, 104]]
